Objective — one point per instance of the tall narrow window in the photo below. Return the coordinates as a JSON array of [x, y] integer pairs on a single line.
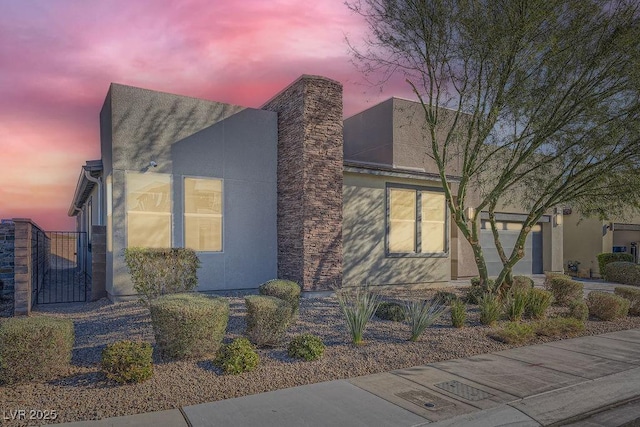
[[148, 210], [203, 214], [417, 221]]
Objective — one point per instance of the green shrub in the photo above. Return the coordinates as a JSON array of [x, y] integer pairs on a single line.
[[267, 319], [358, 307], [522, 283], [422, 314], [237, 357], [445, 297], [608, 257], [578, 309], [548, 275], [34, 348], [559, 326], [283, 289], [128, 361], [157, 272], [627, 273], [306, 346], [458, 313], [538, 302], [564, 289], [607, 306], [390, 311], [513, 333], [476, 290], [515, 303], [633, 295], [490, 308], [189, 326]]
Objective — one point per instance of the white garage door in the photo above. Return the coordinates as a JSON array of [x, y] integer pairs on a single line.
[[509, 231]]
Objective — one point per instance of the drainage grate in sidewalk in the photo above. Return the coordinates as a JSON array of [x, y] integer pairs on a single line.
[[463, 390], [425, 400]]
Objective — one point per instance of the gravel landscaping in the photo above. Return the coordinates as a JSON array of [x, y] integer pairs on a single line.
[[83, 393]]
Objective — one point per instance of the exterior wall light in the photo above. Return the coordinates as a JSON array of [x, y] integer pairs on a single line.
[[557, 217], [470, 212]]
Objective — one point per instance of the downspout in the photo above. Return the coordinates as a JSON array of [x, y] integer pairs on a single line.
[[98, 181]]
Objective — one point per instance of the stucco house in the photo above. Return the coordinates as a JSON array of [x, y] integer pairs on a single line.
[[289, 190]]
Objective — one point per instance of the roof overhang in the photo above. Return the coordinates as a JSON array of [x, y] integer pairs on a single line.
[[393, 171], [84, 187]]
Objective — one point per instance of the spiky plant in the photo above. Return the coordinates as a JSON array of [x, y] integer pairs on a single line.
[[421, 315], [358, 306]]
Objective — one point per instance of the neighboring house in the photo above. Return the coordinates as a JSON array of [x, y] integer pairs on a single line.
[[279, 192], [585, 238]]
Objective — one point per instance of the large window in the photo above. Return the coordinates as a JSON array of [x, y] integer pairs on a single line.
[[416, 221], [203, 214], [148, 210]]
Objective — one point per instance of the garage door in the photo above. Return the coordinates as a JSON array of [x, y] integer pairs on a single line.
[[509, 231]]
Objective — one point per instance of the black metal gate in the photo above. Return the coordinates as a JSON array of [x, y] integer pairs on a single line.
[[66, 266]]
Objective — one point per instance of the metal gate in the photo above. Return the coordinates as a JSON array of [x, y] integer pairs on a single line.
[[66, 265]]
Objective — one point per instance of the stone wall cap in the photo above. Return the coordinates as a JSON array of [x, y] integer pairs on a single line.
[[302, 77]]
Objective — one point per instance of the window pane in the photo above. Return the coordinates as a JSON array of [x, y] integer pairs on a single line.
[[433, 237], [402, 220], [433, 230], [203, 214], [148, 210]]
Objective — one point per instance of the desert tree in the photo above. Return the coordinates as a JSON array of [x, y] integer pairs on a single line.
[[534, 103]]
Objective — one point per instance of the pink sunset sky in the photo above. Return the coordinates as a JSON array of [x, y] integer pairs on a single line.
[[58, 58]]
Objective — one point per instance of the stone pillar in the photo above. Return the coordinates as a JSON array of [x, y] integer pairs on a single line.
[[310, 170], [98, 262], [22, 267]]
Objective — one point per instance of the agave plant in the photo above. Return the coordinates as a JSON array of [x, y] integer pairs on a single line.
[[421, 315], [358, 306]]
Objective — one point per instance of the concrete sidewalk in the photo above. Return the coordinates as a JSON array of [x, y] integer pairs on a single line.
[[592, 381]]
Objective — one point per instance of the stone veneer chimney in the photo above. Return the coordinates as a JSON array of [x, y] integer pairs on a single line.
[[310, 167]]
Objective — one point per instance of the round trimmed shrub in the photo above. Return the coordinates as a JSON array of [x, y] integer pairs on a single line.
[[237, 357], [627, 273], [283, 289], [34, 348], [578, 309], [607, 306], [633, 295], [188, 326], [390, 311], [267, 319], [128, 361], [604, 259], [306, 346], [564, 289]]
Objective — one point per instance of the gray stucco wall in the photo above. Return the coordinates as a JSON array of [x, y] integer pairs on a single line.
[[364, 228], [368, 136], [140, 126]]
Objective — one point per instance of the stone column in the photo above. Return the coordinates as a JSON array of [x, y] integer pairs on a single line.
[[98, 262], [310, 169], [22, 267]]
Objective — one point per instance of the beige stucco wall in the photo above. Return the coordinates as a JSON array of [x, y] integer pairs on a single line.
[[583, 241], [364, 222]]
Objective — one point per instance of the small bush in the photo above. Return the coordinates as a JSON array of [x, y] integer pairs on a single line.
[[237, 357], [306, 346], [34, 348], [490, 308], [606, 258], [633, 295], [578, 309], [458, 313], [189, 326], [519, 283], [515, 303], [128, 361], [564, 289], [627, 273], [445, 297], [390, 311], [538, 302], [513, 333], [283, 289], [607, 306], [358, 307], [476, 290], [421, 315], [559, 326], [157, 272], [548, 275], [267, 319]]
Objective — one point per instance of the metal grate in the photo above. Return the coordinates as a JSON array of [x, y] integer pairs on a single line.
[[425, 400], [463, 390]]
